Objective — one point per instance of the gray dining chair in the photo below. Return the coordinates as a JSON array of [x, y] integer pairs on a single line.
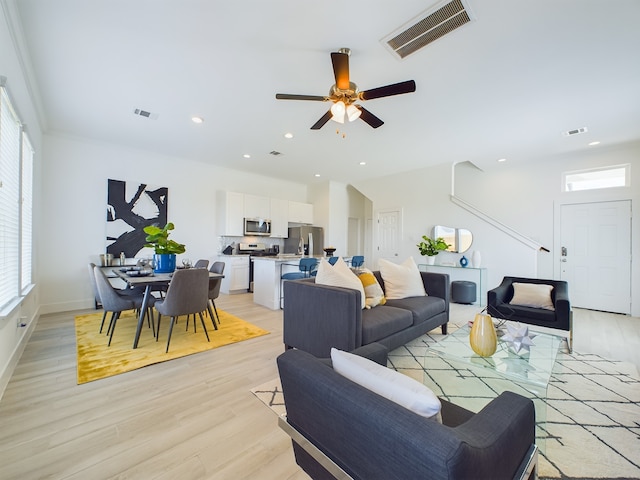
[[187, 294], [214, 288], [96, 294], [202, 263], [115, 303]]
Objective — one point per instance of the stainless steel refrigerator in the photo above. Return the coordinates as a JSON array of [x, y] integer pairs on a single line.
[[306, 238]]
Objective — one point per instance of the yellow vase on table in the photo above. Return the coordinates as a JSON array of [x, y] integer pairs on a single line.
[[483, 338]]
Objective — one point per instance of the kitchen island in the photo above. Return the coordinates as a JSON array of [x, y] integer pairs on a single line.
[[266, 277]]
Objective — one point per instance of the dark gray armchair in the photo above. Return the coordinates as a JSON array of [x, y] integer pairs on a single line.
[[560, 318], [342, 430]]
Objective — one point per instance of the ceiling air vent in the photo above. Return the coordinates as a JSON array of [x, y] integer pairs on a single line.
[[144, 113], [427, 27], [576, 131], [275, 153]]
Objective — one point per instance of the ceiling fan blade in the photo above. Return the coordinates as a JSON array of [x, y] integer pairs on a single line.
[[340, 63], [389, 90], [288, 96], [324, 119], [369, 117]]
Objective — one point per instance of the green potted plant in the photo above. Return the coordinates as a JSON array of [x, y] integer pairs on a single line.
[[165, 249], [430, 247]]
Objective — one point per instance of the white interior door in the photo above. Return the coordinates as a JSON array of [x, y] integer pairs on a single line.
[[596, 255], [389, 231]]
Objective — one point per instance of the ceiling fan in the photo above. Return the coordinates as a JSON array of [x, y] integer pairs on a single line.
[[344, 95]]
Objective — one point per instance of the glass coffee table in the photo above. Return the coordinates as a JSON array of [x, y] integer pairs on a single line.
[[455, 372]]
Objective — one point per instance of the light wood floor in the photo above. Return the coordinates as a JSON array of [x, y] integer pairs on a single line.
[[190, 418]]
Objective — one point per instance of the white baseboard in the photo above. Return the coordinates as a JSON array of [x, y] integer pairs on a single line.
[[17, 353]]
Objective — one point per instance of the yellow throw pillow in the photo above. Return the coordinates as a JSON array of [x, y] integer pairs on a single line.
[[372, 290]]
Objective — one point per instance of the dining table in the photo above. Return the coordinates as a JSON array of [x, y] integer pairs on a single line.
[[148, 282]]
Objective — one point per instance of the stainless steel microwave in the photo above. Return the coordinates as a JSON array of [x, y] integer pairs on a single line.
[[257, 227]]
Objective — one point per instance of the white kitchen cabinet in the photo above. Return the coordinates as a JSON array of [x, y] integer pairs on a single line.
[[300, 212], [236, 274], [279, 218], [230, 214], [257, 207]]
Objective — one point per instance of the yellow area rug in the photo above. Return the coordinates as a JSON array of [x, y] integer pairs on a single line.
[[96, 360]]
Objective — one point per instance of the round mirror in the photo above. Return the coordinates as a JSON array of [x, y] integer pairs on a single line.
[[465, 239], [458, 239]]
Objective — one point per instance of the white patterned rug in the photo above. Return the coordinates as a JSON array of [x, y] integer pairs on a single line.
[[592, 428]]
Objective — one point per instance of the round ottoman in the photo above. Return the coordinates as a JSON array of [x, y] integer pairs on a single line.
[[463, 291]]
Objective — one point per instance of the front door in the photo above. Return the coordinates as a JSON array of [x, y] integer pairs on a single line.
[[596, 255]]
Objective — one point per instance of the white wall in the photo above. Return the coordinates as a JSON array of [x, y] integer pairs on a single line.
[[74, 213], [524, 197]]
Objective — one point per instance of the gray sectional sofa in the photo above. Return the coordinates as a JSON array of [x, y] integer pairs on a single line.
[[318, 317]]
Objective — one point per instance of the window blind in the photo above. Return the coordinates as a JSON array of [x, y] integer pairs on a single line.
[[26, 212], [9, 200]]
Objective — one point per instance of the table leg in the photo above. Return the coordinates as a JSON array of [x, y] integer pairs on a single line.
[[143, 309]]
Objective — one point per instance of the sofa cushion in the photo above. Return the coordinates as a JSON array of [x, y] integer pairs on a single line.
[[372, 289], [421, 308], [534, 295], [387, 383], [382, 321], [522, 314], [339, 275], [401, 281]]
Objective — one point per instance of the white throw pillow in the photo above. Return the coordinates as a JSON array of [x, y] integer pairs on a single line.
[[339, 275], [392, 385], [401, 281], [532, 295]]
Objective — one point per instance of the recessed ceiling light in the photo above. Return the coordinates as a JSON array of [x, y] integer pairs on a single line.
[[197, 119], [594, 143], [363, 163], [246, 155], [317, 174], [501, 160], [288, 135]]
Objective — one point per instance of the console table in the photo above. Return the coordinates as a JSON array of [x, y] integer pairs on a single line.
[[477, 275]]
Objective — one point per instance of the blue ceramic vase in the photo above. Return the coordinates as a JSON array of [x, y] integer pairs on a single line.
[[463, 261]]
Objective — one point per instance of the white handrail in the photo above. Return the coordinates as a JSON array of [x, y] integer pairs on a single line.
[[490, 220]]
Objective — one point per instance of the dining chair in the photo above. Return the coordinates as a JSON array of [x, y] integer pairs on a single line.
[[115, 303], [187, 294], [332, 260], [96, 294], [214, 287], [214, 292], [202, 263]]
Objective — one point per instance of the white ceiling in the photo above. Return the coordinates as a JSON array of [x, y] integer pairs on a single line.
[[504, 86]]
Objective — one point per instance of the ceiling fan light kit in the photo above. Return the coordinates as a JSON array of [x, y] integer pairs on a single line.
[[344, 94]]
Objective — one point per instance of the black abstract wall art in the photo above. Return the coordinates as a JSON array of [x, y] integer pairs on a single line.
[[131, 207]]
